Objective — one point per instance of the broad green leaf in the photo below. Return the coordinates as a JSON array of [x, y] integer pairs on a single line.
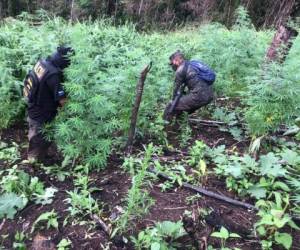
[[257, 192], [9, 204], [292, 224], [268, 161], [63, 244], [267, 219], [53, 222], [281, 185], [278, 199], [47, 197], [278, 213], [217, 235], [169, 228], [224, 232], [234, 235], [155, 246], [291, 157], [236, 133], [261, 230], [234, 170], [271, 169], [284, 239]]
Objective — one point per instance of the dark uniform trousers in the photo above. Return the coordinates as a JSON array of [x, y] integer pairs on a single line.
[[195, 99], [38, 145]]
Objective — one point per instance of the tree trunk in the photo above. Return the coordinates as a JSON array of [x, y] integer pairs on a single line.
[[278, 12], [1, 10], [281, 44], [111, 5], [72, 12]]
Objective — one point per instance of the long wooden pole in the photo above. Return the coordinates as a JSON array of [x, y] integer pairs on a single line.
[[136, 106]]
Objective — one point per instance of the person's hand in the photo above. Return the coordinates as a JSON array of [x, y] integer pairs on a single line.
[[167, 116], [62, 102]]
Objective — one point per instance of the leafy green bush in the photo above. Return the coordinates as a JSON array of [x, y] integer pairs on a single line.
[[20, 47], [138, 200], [231, 54], [17, 188], [274, 99], [101, 80]]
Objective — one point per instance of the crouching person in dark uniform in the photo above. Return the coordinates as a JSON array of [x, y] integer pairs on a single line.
[[44, 94], [194, 75]]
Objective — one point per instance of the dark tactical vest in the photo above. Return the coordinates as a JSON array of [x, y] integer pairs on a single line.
[[39, 75]]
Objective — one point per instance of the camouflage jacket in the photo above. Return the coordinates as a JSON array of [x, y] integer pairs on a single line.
[[185, 74]]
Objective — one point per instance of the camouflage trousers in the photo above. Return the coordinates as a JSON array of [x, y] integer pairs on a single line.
[[38, 145], [192, 101], [195, 100]]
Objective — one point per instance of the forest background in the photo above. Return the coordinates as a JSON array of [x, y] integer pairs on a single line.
[[159, 13]]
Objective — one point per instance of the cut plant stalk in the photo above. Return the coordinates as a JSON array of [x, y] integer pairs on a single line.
[[136, 106]]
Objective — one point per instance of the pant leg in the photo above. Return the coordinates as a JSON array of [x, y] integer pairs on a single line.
[[195, 99], [38, 145]]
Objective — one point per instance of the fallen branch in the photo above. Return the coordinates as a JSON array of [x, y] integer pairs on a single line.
[[211, 123], [206, 192], [175, 208], [135, 109], [214, 123], [212, 194]]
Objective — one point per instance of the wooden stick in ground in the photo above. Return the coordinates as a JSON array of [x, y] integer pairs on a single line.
[[136, 106]]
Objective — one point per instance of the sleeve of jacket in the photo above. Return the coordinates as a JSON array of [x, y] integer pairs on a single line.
[[56, 88], [179, 79]]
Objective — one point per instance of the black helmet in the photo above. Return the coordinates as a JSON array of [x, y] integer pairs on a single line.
[[61, 57]]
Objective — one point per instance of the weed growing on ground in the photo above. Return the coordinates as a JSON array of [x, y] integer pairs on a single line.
[[162, 236], [138, 200]]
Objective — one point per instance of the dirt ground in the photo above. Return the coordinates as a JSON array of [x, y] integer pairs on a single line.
[[114, 183]]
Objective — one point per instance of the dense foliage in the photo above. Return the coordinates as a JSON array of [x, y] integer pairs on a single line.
[[253, 99], [101, 80]]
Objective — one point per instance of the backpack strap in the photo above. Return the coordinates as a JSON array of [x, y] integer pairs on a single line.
[[184, 71], [185, 67]]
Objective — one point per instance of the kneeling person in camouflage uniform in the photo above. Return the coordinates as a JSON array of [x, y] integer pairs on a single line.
[[197, 77], [44, 94]]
